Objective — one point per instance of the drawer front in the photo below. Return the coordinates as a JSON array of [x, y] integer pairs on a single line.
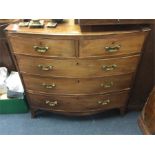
[[78, 103], [78, 85], [77, 68], [112, 45], [43, 47]]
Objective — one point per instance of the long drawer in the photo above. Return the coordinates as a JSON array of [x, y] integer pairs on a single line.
[[78, 103], [78, 85], [43, 46], [77, 67], [112, 45]]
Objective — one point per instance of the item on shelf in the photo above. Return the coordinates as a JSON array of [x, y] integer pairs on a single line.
[[23, 24], [3, 97], [14, 86], [12, 105], [14, 94], [26, 20], [51, 24], [57, 20], [3, 77], [36, 23]]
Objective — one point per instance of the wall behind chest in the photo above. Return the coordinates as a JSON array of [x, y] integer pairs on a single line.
[[5, 57], [145, 75]]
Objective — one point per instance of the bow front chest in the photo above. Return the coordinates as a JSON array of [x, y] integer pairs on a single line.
[[67, 71]]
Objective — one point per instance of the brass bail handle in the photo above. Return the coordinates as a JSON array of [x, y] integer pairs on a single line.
[[107, 84], [109, 67], [112, 48], [49, 86], [41, 49], [51, 103], [105, 102], [45, 67]]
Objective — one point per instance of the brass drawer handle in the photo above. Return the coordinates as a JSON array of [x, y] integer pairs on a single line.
[[41, 49], [49, 86], [107, 84], [51, 103], [105, 102], [109, 67], [112, 48], [45, 67]]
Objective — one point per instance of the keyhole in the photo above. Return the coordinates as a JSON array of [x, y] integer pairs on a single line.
[[77, 97], [77, 63], [40, 43], [78, 81]]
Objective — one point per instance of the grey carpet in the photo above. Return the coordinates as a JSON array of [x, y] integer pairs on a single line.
[[107, 123]]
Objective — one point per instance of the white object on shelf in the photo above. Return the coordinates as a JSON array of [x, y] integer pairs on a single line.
[[3, 97], [3, 76], [13, 82]]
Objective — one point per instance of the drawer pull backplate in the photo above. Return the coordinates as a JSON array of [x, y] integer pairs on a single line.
[[107, 84], [51, 103], [49, 86], [40, 49], [105, 102], [45, 67], [112, 48], [109, 67]]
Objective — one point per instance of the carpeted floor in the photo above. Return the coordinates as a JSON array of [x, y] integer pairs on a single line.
[[107, 123]]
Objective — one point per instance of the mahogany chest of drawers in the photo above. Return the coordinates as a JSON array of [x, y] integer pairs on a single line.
[[71, 72]]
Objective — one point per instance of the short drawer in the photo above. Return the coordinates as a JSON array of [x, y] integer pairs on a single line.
[[43, 46], [112, 45], [76, 67], [78, 85], [79, 103]]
